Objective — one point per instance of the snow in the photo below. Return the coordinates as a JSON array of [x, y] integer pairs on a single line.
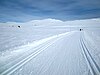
[[49, 50], [95, 22]]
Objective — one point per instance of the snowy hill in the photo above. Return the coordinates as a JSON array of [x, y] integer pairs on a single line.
[[50, 47]]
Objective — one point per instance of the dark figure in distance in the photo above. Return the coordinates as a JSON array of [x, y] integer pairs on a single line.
[[18, 26], [81, 29]]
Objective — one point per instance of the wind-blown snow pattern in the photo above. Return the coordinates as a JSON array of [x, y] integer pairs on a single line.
[[49, 51]]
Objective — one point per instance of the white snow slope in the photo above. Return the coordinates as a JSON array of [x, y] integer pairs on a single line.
[[48, 51]]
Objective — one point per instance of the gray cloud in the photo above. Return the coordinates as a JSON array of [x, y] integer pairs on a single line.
[[24, 10]]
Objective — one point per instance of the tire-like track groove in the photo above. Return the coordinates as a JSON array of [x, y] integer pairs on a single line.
[[94, 68]]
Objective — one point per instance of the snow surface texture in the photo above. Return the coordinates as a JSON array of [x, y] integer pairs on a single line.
[[49, 51]]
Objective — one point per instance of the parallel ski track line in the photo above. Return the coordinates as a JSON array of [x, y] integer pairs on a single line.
[[15, 67], [94, 68], [24, 61], [2, 68]]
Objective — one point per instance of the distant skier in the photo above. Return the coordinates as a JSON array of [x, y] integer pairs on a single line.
[[18, 26], [80, 29]]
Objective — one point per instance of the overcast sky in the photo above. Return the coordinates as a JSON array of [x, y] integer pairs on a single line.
[[27, 10]]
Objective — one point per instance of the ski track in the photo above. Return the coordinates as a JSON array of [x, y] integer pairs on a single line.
[[19, 62], [26, 59], [94, 68]]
